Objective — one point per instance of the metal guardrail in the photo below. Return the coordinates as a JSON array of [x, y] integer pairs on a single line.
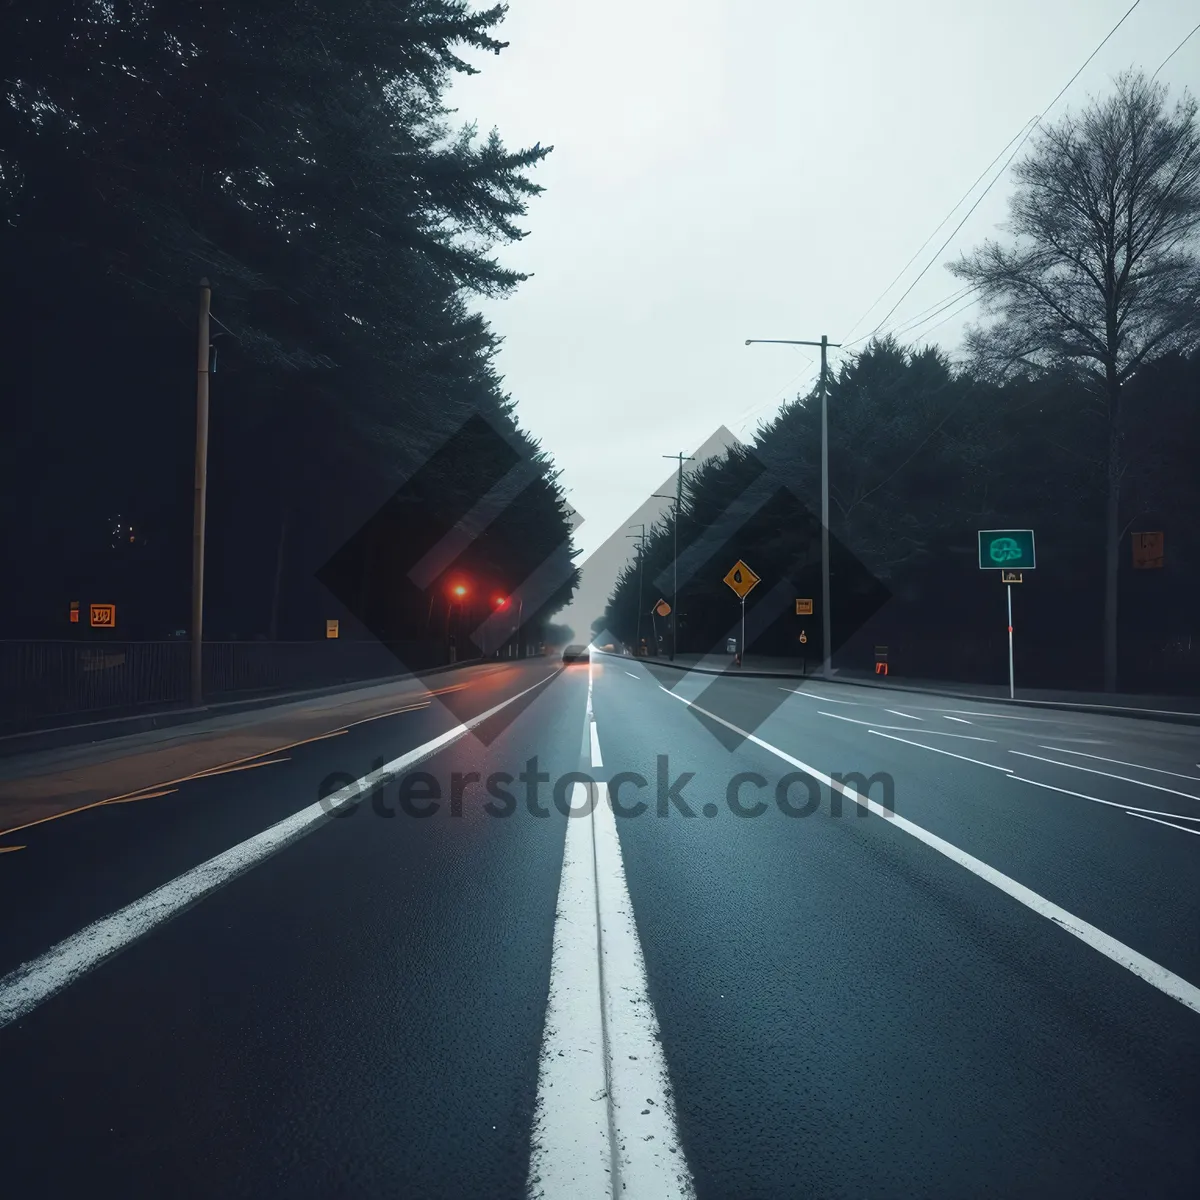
[[44, 679]]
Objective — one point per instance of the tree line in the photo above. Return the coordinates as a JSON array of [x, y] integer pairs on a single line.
[[300, 156], [1075, 411]]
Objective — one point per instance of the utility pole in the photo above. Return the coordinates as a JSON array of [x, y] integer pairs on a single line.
[[675, 550], [641, 541], [826, 621], [200, 495]]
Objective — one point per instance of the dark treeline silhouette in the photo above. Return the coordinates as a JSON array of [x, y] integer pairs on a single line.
[[921, 457], [301, 158]]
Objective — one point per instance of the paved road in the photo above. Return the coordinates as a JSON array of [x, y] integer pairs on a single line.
[[973, 975]]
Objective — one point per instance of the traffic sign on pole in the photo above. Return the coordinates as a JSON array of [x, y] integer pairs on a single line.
[[1011, 548], [663, 608], [804, 608], [741, 579]]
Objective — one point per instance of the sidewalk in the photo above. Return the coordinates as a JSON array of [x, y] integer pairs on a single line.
[[47, 783], [1179, 709], [85, 727]]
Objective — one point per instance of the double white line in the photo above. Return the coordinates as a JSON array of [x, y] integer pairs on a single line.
[[605, 1122]]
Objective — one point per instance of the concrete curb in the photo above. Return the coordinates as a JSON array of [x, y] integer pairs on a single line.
[[1113, 710], [88, 733]]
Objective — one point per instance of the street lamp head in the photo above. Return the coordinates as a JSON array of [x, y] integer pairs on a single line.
[[749, 341], [459, 590], [501, 601]]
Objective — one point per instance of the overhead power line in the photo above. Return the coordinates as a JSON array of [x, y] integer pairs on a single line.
[[1173, 53], [926, 314], [1028, 132], [962, 199]]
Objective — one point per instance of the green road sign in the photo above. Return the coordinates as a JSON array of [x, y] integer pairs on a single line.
[[1006, 549]]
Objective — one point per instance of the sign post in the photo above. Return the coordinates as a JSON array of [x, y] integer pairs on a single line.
[[1011, 552], [741, 580]]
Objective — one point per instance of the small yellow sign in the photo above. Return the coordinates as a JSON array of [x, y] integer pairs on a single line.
[[804, 608], [803, 638], [663, 608], [104, 616], [741, 579], [331, 629]]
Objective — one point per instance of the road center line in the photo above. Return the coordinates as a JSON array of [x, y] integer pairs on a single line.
[[897, 713], [1138, 964], [604, 1125], [24, 988]]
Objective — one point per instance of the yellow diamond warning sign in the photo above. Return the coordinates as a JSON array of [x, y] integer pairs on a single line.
[[741, 579]]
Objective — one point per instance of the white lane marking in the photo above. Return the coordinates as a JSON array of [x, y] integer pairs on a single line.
[[604, 1123], [970, 712], [1120, 762], [1129, 808], [937, 750], [1144, 968], [823, 699], [572, 1144], [649, 1160], [632, 675], [1181, 828], [597, 761], [967, 737], [897, 713], [1107, 774], [960, 720], [24, 988]]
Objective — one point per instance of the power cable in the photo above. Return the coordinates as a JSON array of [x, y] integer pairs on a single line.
[[1028, 131]]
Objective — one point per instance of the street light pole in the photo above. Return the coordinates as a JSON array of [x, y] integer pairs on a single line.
[[200, 492], [675, 550], [826, 616], [641, 573]]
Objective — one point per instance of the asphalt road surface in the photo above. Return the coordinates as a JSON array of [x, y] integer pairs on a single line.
[[796, 941]]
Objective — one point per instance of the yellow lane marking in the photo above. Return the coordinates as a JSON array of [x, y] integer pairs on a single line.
[[139, 796], [392, 713], [152, 790], [249, 766]]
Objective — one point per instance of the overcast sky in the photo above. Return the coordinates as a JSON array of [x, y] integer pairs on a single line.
[[726, 169]]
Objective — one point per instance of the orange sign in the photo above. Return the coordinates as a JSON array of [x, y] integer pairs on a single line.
[[331, 629], [663, 608], [74, 618], [804, 608], [104, 616], [1147, 550], [741, 579]]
